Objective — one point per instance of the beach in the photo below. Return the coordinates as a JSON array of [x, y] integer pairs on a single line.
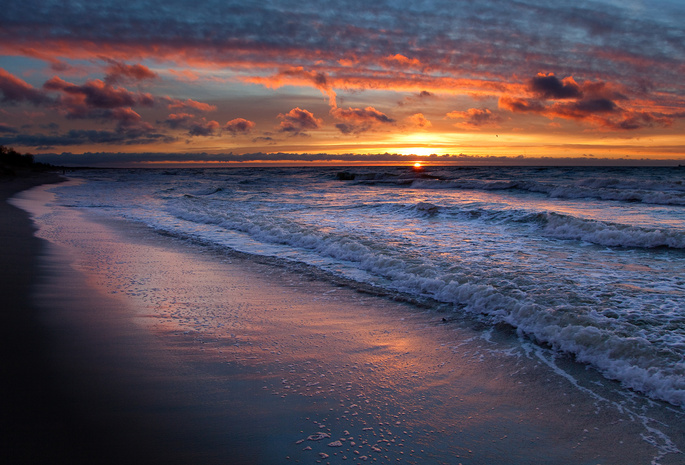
[[131, 346]]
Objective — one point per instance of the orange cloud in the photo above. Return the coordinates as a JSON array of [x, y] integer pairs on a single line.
[[401, 60], [118, 72], [297, 120], [419, 120], [239, 126], [176, 120], [593, 103], [190, 104], [185, 74], [298, 76], [475, 118]]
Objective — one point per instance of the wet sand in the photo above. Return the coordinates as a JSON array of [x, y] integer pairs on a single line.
[[136, 347]]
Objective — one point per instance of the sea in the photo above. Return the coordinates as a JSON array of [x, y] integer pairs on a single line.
[[588, 262]]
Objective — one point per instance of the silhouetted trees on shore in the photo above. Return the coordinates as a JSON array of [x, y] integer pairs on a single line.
[[12, 161]]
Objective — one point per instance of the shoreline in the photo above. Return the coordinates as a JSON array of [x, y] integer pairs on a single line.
[[196, 357], [32, 429], [61, 399]]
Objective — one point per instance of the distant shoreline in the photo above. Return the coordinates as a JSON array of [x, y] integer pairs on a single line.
[[299, 160]]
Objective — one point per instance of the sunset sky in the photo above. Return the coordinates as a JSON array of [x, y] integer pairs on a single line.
[[138, 80]]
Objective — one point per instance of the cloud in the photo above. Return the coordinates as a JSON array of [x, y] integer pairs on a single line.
[[85, 137], [424, 94], [239, 126], [193, 125], [179, 120], [419, 120], [581, 109], [548, 86], [189, 104], [15, 90], [94, 99], [402, 61], [357, 120], [55, 64], [185, 75], [593, 103], [128, 119], [297, 120], [8, 129], [298, 76], [639, 119], [579, 101], [138, 159], [93, 94], [202, 127], [118, 72], [468, 49], [475, 118]]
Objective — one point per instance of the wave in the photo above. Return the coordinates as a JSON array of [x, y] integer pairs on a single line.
[[633, 188], [610, 344], [612, 235], [652, 194], [560, 226]]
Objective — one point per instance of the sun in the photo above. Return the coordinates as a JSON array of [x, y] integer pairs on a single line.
[[417, 165]]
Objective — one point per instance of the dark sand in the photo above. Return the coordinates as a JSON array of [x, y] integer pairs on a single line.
[[35, 428], [136, 348], [82, 389]]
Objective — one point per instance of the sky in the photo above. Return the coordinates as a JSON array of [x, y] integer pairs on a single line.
[[221, 80]]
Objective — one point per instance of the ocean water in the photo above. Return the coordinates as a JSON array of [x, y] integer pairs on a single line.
[[587, 261]]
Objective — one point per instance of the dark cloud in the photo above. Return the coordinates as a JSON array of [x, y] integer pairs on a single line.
[[267, 139], [357, 114], [98, 94], [8, 129], [83, 137], [594, 106], [593, 103], [476, 38], [345, 128], [357, 120], [194, 125], [179, 120], [133, 159], [638, 120], [550, 87], [51, 126], [590, 101], [204, 128], [129, 121], [15, 90]]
